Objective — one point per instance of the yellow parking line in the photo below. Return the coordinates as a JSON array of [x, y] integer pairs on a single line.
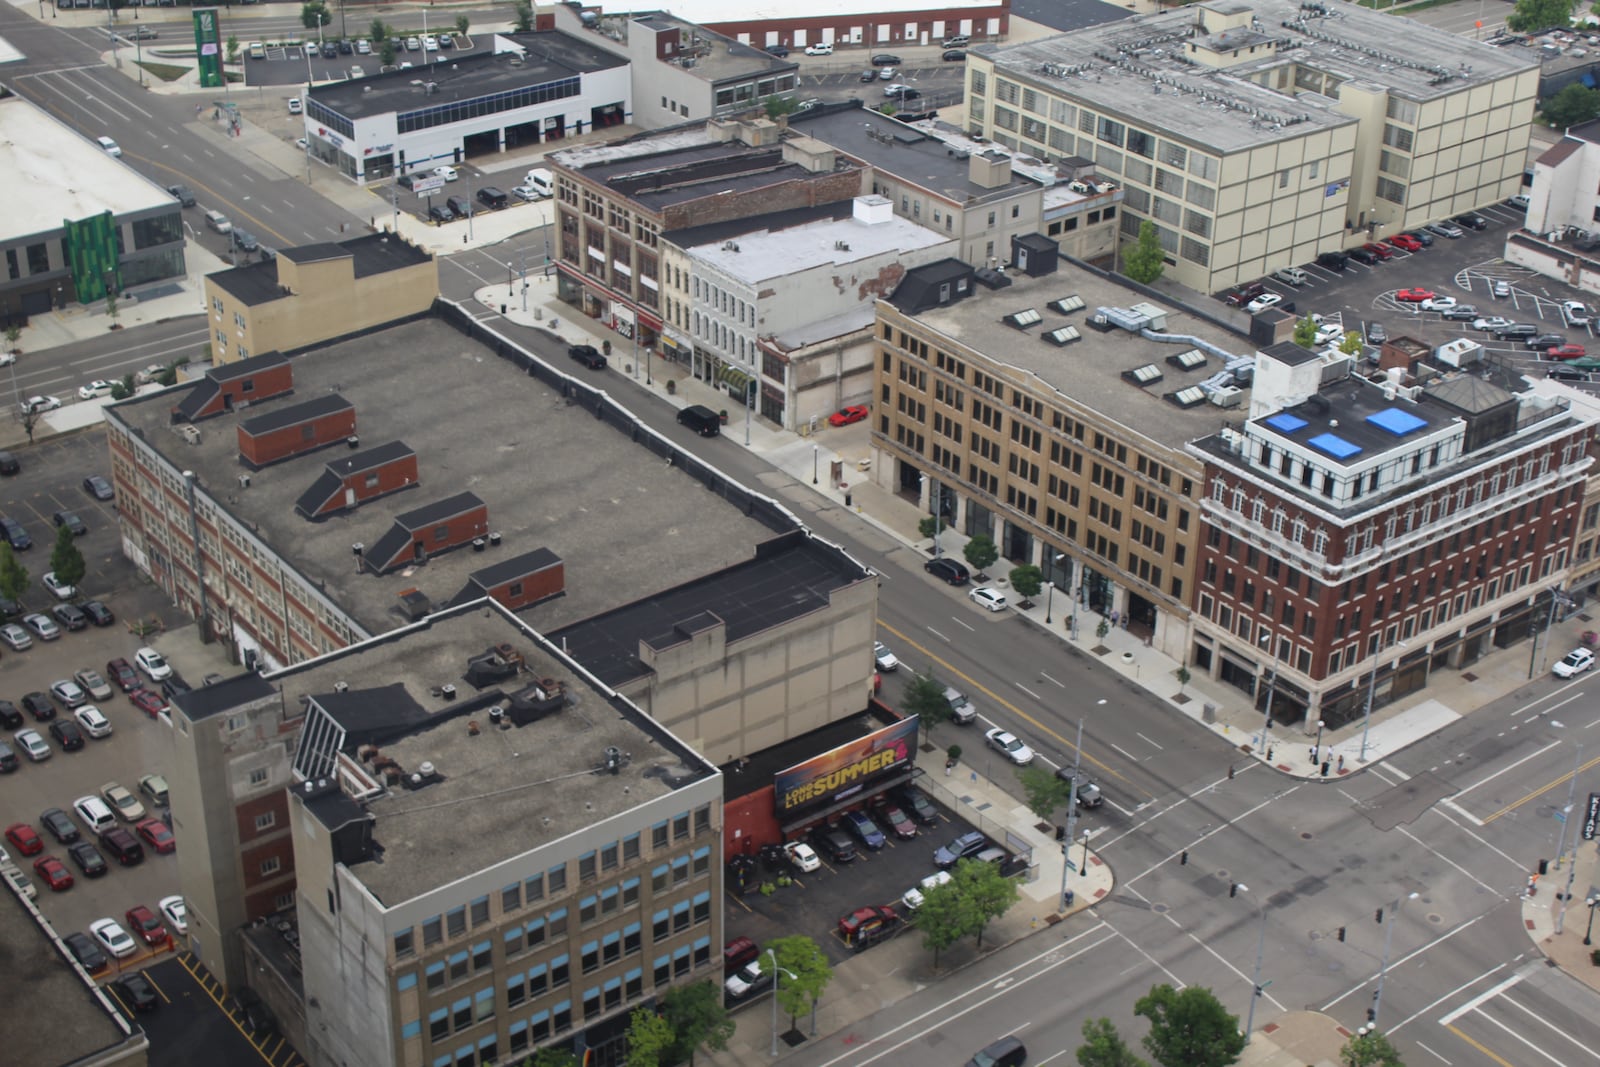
[[1479, 1047], [1543, 789], [998, 699], [157, 986]]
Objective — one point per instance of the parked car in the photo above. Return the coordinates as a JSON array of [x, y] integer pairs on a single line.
[[1382, 251], [1414, 296], [947, 570], [10, 717], [59, 825], [819, 49], [954, 55], [175, 912], [157, 834], [1335, 261], [1573, 313], [16, 638], [152, 664], [122, 675], [91, 681], [803, 856], [884, 59], [1010, 746], [43, 627], [779, 50], [847, 415], [1491, 324], [154, 786], [88, 859], [988, 598], [898, 822], [1361, 255], [98, 613], [737, 952], [588, 355], [918, 806], [184, 195], [86, 952], [15, 535], [1566, 351], [440, 213], [1007, 1052], [967, 844], [135, 991], [866, 831], [113, 938], [1406, 241], [833, 843], [98, 487], [748, 981], [863, 922], [124, 803], [913, 898], [1461, 313], [1244, 294], [147, 702], [145, 926], [39, 706], [24, 839], [1472, 221], [54, 872], [1574, 663], [1443, 229], [883, 659], [1263, 302], [1544, 341], [93, 721], [1089, 795], [1292, 276], [1377, 333], [32, 745], [60, 589]]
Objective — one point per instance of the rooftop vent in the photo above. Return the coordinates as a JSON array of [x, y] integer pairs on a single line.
[[448, 692], [1149, 374], [1066, 305], [341, 687], [990, 278]]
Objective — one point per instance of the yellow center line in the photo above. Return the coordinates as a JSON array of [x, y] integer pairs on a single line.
[[906, 639], [1543, 789], [1479, 1047]]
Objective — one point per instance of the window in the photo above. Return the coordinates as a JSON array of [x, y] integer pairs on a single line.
[[270, 865], [556, 879], [432, 932], [456, 921], [404, 944], [511, 897], [266, 820], [480, 912], [586, 867], [258, 776]]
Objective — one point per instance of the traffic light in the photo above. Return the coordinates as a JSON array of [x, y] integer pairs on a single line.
[[1378, 918], [1341, 933], [1233, 889], [1372, 1015], [1183, 860], [1544, 866]]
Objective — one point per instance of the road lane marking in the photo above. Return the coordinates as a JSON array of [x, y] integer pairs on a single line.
[[1549, 1026], [1489, 778], [1365, 982], [1472, 1005], [959, 622], [1496, 1022], [1242, 976], [1125, 752], [1552, 707], [1053, 682], [1209, 833], [1447, 996], [1147, 741], [1485, 885], [1031, 693], [1541, 791], [1449, 802], [1430, 1051], [1479, 1047]]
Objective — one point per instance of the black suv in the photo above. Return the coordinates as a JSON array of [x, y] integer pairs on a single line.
[[1472, 221], [98, 613], [59, 825], [67, 734], [10, 717], [588, 355], [779, 50], [39, 706], [1517, 330], [460, 206], [1333, 260], [184, 194], [947, 570], [918, 806], [15, 535], [244, 240], [832, 842], [1361, 255]]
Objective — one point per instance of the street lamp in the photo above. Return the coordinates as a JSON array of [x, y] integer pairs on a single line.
[[1372, 689], [1272, 687], [1388, 937], [1557, 599], [1072, 813], [776, 970], [1320, 725], [1050, 597], [1255, 983], [1592, 901], [1085, 871], [813, 464]]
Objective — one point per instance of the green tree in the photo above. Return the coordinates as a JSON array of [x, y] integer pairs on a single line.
[[981, 552], [1183, 677], [1144, 261], [462, 22], [1027, 580], [1043, 791], [13, 335], [1103, 1047], [524, 15], [122, 388], [552, 1057], [809, 974], [1189, 1029], [1572, 106], [985, 892], [386, 53], [378, 31], [1531, 16], [111, 302], [924, 697], [698, 1018], [929, 526], [779, 106], [650, 1039], [941, 919], [66, 560], [167, 376], [13, 575], [1351, 344], [315, 14], [1305, 333], [233, 49], [1370, 1050]]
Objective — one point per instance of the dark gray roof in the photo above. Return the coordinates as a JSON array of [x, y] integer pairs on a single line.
[[438, 511], [226, 372], [230, 693], [1468, 393], [314, 253], [380, 253], [374, 715], [369, 458], [1067, 15], [1290, 354], [712, 232], [252, 285], [514, 567], [790, 576], [294, 414], [919, 290], [1350, 424]]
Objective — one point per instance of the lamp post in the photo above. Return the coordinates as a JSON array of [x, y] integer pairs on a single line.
[[776, 970], [1266, 716], [1085, 871], [1050, 597], [813, 464], [1320, 724], [1255, 983], [1592, 901], [1557, 597], [1072, 814], [1561, 849], [1383, 970], [1372, 689]]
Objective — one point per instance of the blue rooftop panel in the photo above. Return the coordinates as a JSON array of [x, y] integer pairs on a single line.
[[1333, 445], [1284, 422], [1396, 421]]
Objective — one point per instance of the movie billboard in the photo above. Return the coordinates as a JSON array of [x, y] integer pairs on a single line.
[[851, 768]]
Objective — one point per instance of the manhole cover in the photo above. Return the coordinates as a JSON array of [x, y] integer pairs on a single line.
[[1305, 837], [1159, 909], [1435, 918]]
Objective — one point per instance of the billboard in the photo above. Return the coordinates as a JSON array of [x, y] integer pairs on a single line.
[[837, 774], [208, 46]]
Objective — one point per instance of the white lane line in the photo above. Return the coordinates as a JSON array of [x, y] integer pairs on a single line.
[[1430, 1051], [939, 635], [1517, 864], [1450, 803], [1548, 1025], [1125, 752], [1032, 695], [1177, 983], [1373, 977], [1052, 681], [1242, 976], [1512, 767], [1147, 741], [1519, 1037], [1552, 707], [1231, 822], [1472, 1005], [940, 1010]]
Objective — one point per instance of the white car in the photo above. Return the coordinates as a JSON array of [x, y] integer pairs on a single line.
[[896, 89], [1010, 746], [61, 589], [174, 911], [1329, 333], [1574, 313], [1520, 200], [819, 49], [912, 898], [124, 803], [449, 174], [294, 106], [98, 387], [883, 659], [1493, 323], [1439, 303], [1263, 302], [16, 638], [68, 693], [93, 721], [1575, 663], [113, 938], [802, 856], [989, 597], [109, 146], [32, 745], [413, 43], [527, 193], [149, 660], [39, 403], [430, 43], [363, 48]]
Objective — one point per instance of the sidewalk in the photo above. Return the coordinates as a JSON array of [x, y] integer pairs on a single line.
[[1540, 912]]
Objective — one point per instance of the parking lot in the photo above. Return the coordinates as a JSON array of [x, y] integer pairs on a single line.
[[1465, 269], [284, 63]]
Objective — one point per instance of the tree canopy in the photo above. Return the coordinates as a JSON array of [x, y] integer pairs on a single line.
[[1572, 106], [650, 1039], [1369, 1050], [1103, 1047], [980, 552], [1027, 580], [924, 697], [697, 1018], [1144, 262], [1189, 1028], [1043, 791], [1531, 16], [13, 575], [809, 973], [1305, 332], [65, 559]]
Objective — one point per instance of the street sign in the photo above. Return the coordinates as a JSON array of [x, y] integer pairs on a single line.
[[1591, 821], [426, 184]]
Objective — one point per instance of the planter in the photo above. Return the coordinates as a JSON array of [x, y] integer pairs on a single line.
[[672, 387]]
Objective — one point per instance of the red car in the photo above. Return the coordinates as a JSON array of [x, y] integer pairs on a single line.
[[1414, 296], [143, 924], [1381, 251], [157, 835], [897, 821], [867, 920], [147, 702], [1567, 351], [54, 873], [24, 839], [1406, 241], [845, 416], [120, 671]]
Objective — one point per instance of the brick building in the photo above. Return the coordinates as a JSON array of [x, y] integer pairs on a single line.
[[1357, 535]]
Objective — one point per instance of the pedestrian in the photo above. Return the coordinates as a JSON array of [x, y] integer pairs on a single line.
[[1313, 753], [1341, 763]]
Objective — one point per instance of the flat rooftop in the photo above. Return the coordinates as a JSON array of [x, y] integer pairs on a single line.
[[1351, 424], [767, 251], [42, 983], [67, 176], [1089, 371], [624, 522], [501, 791], [714, 11], [911, 154], [708, 55], [551, 56], [1136, 68], [1064, 15]]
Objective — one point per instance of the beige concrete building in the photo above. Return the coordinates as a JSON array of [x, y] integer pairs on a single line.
[[1256, 134], [1006, 412], [315, 293]]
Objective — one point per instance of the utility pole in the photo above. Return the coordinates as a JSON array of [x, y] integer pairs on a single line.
[[1072, 815], [1572, 866]]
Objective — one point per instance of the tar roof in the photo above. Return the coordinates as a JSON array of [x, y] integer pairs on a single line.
[[553, 476], [910, 154], [551, 57], [794, 577], [52, 1014], [501, 791], [1064, 15], [1349, 426], [715, 58], [1090, 370], [1136, 68], [67, 177], [252, 285]]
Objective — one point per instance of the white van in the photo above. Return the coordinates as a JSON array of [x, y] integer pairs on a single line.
[[541, 181], [111, 147]]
